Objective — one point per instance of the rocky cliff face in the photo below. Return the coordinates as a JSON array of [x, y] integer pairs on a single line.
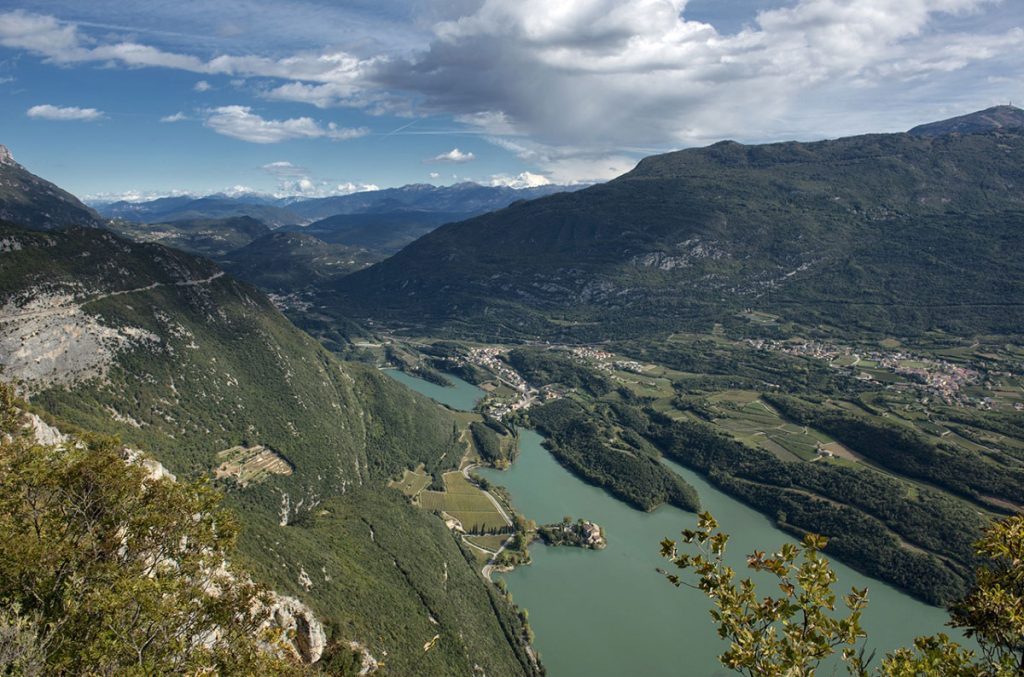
[[5, 156]]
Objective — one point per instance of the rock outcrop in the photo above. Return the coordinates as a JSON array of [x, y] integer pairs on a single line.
[[300, 625], [44, 433]]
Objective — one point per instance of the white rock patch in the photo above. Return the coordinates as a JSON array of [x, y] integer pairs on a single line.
[[51, 341]]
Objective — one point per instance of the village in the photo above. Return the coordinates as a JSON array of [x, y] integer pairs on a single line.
[[490, 359], [932, 377]]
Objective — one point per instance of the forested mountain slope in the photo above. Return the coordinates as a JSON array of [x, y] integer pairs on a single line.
[[286, 262], [164, 350], [883, 232]]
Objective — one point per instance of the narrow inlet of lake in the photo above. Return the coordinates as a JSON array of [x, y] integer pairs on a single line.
[[460, 395]]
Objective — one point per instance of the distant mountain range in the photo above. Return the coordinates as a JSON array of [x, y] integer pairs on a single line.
[[890, 233], [461, 198], [183, 208]]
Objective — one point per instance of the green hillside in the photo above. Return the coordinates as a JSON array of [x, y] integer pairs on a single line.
[[208, 237], [286, 262], [381, 233], [162, 349], [893, 233]]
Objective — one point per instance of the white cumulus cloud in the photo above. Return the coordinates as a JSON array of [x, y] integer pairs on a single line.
[[454, 156], [49, 112], [202, 86], [177, 117], [590, 83], [522, 180], [240, 122]]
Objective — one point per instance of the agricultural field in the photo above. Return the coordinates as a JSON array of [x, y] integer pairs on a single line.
[[248, 465], [747, 418], [644, 385], [465, 502]]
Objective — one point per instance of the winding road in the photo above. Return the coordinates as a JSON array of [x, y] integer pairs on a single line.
[[36, 314]]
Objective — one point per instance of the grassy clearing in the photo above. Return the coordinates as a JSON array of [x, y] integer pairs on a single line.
[[503, 390], [490, 542], [412, 482], [735, 396], [645, 385]]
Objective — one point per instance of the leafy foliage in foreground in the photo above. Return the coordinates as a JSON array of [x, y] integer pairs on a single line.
[[104, 570], [771, 636], [993, 612], [792, 634]]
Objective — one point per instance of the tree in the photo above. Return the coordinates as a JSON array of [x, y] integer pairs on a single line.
[[107, 570], [993, 612], [790, 635], [771, 636]]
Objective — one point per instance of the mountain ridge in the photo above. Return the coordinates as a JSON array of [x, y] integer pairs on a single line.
[[37, 203], [826, 232], [996, 117]]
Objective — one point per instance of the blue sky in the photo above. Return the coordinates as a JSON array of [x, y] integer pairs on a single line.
[[320, 97]]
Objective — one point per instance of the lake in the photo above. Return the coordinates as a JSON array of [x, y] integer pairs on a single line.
[[460, 395], [609, 612]]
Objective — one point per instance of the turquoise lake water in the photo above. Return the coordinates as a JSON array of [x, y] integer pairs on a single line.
[[609, 612], [461, 395]]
